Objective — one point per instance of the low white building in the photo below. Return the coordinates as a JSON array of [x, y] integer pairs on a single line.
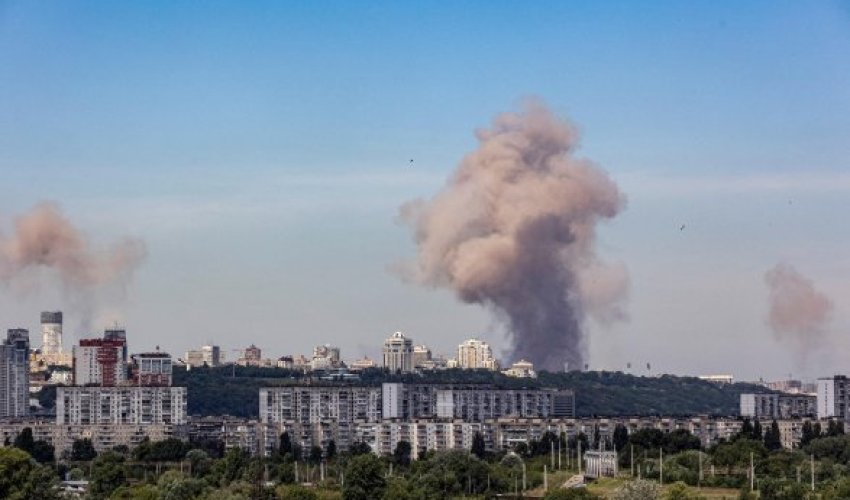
[[521, 369]]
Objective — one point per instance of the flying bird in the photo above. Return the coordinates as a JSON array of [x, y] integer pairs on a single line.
[[682, 227]]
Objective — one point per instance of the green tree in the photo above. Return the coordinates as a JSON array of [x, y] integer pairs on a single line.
[[24, 441], [83, 450], [231, 467], [401, 454], [108, 473], [21, 478], [747, 429], [680, 491], [806, 433], [43, 452], [364, 478], [315, 455], [285, 443], [772, 437], [621, 437], [199, 463], [757, 432], [359, 448], [296, 492], [571, 494], [330, 450], [479, 448]]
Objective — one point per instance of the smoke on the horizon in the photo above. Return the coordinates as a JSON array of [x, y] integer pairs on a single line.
[[44, 239], [514, 230], [798, 311]]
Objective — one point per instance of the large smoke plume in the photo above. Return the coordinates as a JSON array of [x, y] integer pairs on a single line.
[[514, 230], [45, 240], [798, 312]]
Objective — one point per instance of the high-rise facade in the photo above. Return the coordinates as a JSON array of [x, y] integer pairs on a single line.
[[52, 352], [474, 354], [398, 353], [100, 362], [14, 373], [51, 333], [833, 397]]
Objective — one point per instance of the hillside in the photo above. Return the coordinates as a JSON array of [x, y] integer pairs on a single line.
[[217, 391]]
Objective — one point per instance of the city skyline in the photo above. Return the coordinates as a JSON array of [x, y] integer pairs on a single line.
[[264, 167]]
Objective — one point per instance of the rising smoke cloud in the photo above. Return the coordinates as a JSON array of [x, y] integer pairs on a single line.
[[798, 312], [514, 230], [44, 239]]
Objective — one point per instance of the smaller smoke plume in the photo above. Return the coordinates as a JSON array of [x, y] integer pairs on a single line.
[[797, 310], [44, 239]]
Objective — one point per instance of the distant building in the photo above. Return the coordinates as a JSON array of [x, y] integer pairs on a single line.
[[475, 354], [362, 364], [14, 373], [832, 397], [421, 357], [208, 355], [52, 352], [325, 357], [521, 369], [778, 406], [152, 369], [398, 353], [100, 362], [718, 379], [252, 356], [285, 362]]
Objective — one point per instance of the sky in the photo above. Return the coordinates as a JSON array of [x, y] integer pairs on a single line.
[[261, 150]]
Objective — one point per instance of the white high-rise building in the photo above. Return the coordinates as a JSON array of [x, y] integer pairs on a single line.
[[51, 333], [832, 397], [398, 353], [52, 352], [14, 373], [475, 354]]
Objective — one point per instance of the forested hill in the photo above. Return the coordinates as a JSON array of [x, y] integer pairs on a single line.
[[229, 391]]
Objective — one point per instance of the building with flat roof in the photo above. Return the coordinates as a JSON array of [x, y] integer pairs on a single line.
[[128, 405], [14, 373], [832, 397]]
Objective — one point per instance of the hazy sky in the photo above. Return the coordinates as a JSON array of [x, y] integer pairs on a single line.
[[261, 150]]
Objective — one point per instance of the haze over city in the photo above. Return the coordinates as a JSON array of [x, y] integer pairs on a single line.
[[238, 173]]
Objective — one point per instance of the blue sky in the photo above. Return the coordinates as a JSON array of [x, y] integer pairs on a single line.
[[261, 150]]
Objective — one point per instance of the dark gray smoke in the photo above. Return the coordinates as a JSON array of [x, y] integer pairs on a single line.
[[514, 229]]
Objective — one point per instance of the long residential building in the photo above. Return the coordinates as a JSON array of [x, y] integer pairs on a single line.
[[778, 406], [473, 403], [120, 405]]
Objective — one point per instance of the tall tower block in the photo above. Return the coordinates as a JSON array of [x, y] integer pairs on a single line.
[[51, 334]]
